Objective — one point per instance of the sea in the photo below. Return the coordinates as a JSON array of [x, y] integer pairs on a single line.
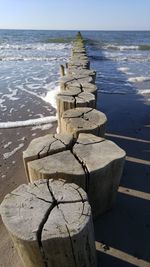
[[30, 69], [30, 62]]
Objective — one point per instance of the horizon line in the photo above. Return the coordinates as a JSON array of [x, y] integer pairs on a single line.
[[31, 29]]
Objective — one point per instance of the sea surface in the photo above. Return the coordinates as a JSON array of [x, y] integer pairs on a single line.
[[30, 61]]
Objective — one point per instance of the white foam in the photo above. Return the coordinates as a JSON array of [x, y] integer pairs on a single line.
[[52, 90], [39, 121], [121, 47], [117, 92], [1, 103], [35, 46], [20, 87], [12, 94], [11, 110], [7, 145], [144, 92], [9, 154], [138, 79], [34, 134], [42, 127], [124, 69], [22, 106], [51, 96]]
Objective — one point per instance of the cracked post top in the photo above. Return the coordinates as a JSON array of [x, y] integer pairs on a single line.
[[23, 210]]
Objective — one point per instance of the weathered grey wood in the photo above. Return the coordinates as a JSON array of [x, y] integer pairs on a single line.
[[66, 100], [50, 224], [46, 145], [79, 78], [89, 88], [84, 63], [79, 56], [71, 99], [60, 165], [104, 162], [93, 163], [84, 72], [85, 99], [78, 50], [83, 120], [84, 86]]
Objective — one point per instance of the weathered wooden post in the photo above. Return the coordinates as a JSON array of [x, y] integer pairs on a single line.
[[62, 70], [83, 120], [71, 99], [77, 78], [50, 224], [46, 145], [91, 162]]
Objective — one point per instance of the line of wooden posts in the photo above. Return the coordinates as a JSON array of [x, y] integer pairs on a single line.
[[73, 177]]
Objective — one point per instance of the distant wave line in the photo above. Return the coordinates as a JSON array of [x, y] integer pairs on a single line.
[[30, 122]]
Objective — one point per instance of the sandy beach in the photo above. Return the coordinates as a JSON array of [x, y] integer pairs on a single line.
[[122, 234]]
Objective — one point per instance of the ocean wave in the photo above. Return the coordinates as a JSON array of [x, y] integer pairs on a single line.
[[121, 57], [138, 79], [144, 91], [126, 47], [117, 92], [124, 69], [23, 58], [120, 47], [31, 122], [34, 46]]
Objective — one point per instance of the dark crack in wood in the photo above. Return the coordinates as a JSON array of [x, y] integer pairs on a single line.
[[49, 148], [85, 169], [72, 248], [39, 232], [40, 198], [90, 143], [41, 225], [38, 155]]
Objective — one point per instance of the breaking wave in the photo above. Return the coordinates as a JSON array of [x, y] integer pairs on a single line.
[[31, 122], [126, 47], [138, 79], [34, 46]]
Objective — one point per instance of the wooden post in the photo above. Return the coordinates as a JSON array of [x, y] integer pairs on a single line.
[[71, 99], [62, 70], [93, 163], [83, 120], [77, 78], [46, 145], [50, 224]]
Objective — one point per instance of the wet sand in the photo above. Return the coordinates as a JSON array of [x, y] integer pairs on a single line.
[[12, 175], [123, 233]]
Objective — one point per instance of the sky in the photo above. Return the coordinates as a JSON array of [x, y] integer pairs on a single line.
[[75, 15]]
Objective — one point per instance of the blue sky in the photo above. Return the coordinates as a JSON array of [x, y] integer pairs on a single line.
[[75, 15]]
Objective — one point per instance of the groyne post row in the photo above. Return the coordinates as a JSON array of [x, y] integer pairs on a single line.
[[69, 173]]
